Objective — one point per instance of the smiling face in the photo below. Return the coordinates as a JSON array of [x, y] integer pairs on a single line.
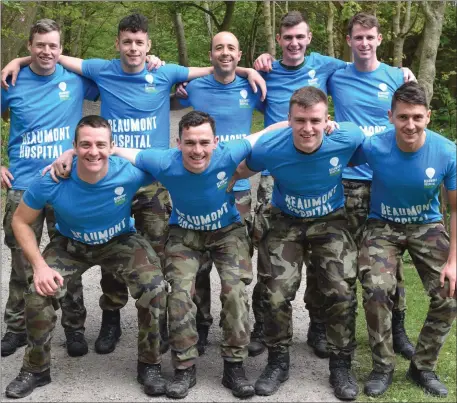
[[225, 55], [308, 126], [197, 145], [410, 121], [133, 48], [364, 42], [93, 147], [45, 51], [293, 42]]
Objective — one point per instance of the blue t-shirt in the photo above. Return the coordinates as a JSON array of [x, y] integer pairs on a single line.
[[306, 185], [406, 186], [102, 210], [231, 106], [282, 82], [200, 201], [364, 98], [44, 112], [136, 105]]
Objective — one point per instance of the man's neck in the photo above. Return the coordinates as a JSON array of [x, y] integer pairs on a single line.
[[411, 148], [367, 65], [132, 70], [292, 63], [41, 72], [91, 178], [224, 79]]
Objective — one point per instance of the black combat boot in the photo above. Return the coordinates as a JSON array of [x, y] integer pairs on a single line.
[[150, 375], [234, 378], [402, 344], [12, 341], [317, 339], [275, 373], [76, 344], [26, 382], [182, 381], [341, 378], [256, 346], [202, 342], [377, 383], [109, 332], [427, 380]]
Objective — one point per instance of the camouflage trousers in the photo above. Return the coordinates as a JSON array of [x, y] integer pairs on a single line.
[[380, 256], [151, 208], [333, 253], [130, 258], [357, 195], [229, 250], [202, 297]]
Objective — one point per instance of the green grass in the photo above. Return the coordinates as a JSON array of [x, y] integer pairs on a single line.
[[403, 390]]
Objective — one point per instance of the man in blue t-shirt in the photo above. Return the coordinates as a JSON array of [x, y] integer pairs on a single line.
[[371, 85], [307, 214], [409, 164], [85, 237], [44, 108], [204, 219]]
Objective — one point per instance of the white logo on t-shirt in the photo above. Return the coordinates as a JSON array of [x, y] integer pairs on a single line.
[[64, 94], [431, 182], [244, 102], [223, 180], [119, 190], [430, 172], [312, 73], [121, 197], [384, 93], [336, 166], [149, 86], [63, 86], [149, 78], [383, 87], [244, 93], [334, 161]]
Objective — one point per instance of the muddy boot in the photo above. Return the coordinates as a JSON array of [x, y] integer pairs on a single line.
[[342, 379], [427, 380], [26, 382], [235, 379], [12, 341], [256, 346], [150, 375], [202, 342], [275, 373], [110, 332], [402, 344], [76, 344], [317, 339], [377, 383], [182, 381]]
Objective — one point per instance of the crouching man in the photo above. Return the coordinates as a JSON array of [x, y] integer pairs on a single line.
[[94, 227]]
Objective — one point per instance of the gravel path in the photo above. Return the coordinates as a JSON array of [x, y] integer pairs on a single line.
[[106, 378]]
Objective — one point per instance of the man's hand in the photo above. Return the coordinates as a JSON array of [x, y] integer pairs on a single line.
[[6, 178], [46, 280], [331, 126], [11, 69], [264, 62], [181, 90], [408, 75], [449, 272], [255, 79], [154, 62], [61, 167]]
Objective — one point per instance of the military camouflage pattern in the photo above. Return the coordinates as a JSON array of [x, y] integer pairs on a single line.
[[132, 259], [333, 253], [229, 250], [202, 297], [21, 270], [265, 189], [380, 255]]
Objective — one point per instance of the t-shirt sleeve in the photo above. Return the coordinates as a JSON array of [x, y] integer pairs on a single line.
[[91, 68], [450, 176], [5, 100], [333, 64], [143, 177], [239, 150], [91, 91], [37, 194], [255, 159], [175, 73], [186, 102], [150, 161], [360, 155]]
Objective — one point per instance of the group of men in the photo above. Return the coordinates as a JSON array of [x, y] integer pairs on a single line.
[[310, 208]]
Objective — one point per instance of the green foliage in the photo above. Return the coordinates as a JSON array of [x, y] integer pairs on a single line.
[[5, 128]]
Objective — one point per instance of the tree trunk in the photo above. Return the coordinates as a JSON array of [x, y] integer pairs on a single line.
[[271, 49], [330, 20], [227, 21], [209, 26], [434, 13], [76, 46], [273, 18], [181, 39], [400, 30], [250, 48]]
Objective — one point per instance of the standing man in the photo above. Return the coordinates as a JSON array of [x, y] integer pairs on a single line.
[[405, 215], [87, 236], [307, 215], [230, 101], [44, 107], [371, 85]]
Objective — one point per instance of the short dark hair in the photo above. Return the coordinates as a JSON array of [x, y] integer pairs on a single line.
[[94, 121], [410, 93], [306, 97], [365, 20], [291, 19], [43, 26], [194, 119], [133, 23]]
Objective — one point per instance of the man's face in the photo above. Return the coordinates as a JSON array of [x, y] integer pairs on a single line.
[[293, 42], [225, 53], [308, 126], [364, 42], [133, 48], [410, 121], [93, 150], [197, 145], [45, 51]]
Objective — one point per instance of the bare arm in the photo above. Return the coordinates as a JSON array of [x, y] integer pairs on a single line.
[[252, 138], [255, 79], [73, 64], [195, 72], [44, 277], [242, 172], [449, 269], [127, 153], [12, 69]]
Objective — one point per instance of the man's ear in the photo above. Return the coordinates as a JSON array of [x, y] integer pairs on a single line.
[[390, 114]]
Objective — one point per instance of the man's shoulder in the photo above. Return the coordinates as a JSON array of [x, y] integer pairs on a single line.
[[442, 143]]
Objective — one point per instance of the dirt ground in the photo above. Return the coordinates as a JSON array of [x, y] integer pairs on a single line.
[[112, 377]]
